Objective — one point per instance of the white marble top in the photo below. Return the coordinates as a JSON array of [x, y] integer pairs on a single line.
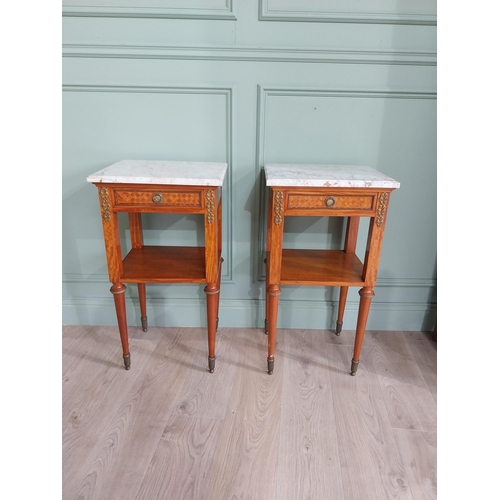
[[190, 173], [326, 176]]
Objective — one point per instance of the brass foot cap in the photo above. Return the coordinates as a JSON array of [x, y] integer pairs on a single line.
[[126, 360], [339, 327], [144, 322], [211, 364], [354, 367], [270, 366]]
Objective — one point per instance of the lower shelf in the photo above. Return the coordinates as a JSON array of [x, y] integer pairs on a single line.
[[163, 264], [320, 267]]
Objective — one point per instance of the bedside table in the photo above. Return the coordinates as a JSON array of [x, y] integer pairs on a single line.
[[332, 191], [136, 186]]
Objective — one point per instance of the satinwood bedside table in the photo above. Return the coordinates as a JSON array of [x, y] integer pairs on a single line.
[[136, 186], [333, 191]]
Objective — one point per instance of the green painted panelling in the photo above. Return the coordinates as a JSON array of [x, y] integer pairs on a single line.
[[169, 80]]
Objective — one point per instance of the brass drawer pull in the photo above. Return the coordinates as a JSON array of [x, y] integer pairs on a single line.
[[330, 201], [157, 197]]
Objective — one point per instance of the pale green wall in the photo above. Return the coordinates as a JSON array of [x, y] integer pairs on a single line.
[[248, 82]]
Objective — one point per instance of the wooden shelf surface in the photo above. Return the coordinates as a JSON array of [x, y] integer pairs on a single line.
[[320, 267], [164, 264]]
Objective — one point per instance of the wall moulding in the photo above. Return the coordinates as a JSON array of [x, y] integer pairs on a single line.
[[167, 9], [228, 94], [339, 11], [249, 54]]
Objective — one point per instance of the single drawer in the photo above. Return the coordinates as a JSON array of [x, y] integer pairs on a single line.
[[158, 198], [298, 201]]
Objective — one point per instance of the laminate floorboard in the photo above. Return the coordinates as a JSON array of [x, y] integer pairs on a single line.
[[89, 407], [247, 455], [169, 430], [182, 464], [204, 396], [372, 468], [118, 462], [77, 345], [408, 399], [308, 446], [425, 354], [418, 451]]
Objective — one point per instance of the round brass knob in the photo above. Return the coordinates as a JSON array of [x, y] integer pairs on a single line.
[[157, 197], [330, 201]]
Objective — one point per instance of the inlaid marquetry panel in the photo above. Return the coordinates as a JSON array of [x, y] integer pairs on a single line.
[[331, 201], [152, 198]]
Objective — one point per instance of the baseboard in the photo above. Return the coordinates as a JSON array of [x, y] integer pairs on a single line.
[[250, 314]]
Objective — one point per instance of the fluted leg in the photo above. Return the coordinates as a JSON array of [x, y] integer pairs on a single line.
[[342, 302], [366, 294], [141, 287], [212, 293], [118, 291], [273, 295]]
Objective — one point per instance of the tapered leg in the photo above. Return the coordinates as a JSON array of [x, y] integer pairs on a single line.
[[212, 266], [212, 293], [273, 295], [342, 302], [366, 294], [118, 291], [141, 287], [274, 245]]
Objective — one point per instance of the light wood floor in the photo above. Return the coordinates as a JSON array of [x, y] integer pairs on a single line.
[[168, 429]]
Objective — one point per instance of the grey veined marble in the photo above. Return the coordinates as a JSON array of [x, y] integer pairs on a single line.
[[326, 176], [162, 172]]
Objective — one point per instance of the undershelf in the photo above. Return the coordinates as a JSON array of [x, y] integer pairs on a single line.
[[320, 267], [164, 264]]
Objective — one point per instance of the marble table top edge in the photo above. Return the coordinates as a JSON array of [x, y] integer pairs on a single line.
[[162, 172], [325, 175]]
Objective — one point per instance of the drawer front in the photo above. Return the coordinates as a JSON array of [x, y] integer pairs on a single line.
[[297, 201], [158, 198]]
